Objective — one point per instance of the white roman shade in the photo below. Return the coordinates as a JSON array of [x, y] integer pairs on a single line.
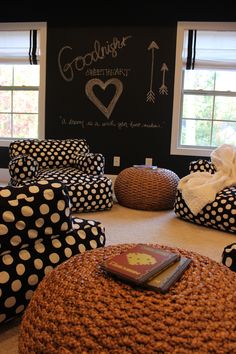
[[207, 49], [19, 47]]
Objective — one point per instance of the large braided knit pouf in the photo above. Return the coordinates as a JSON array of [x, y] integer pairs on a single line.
[[146, 188], [77, 308]]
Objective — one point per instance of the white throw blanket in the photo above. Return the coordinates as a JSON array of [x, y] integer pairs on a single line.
[[200, 188]]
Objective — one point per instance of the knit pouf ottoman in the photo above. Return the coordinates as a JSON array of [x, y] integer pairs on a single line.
[[78, 308], [146, 188]]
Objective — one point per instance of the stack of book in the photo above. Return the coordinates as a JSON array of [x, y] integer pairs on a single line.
[[147, 266]]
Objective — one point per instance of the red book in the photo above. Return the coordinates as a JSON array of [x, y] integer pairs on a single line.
[[139, 263]]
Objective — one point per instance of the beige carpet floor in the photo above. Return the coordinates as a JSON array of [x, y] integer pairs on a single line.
[[125, 225]]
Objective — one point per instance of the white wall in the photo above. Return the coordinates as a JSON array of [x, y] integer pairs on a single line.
[[4, 175]]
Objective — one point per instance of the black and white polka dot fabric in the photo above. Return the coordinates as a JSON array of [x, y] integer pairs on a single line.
[[70, 162], [90, 163], [229, 256], [33, 211], [23, 168], [37, 233], [87, 192], [202, 166], [49, 153], [220, 214]]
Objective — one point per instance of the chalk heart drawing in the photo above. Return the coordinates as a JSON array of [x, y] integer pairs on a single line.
[[107, 111]]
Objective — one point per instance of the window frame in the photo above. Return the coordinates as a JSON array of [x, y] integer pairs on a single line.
[[42, 27], [176, 148]]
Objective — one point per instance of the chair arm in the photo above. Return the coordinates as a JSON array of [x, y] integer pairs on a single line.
[[90, 163], [22, 168], [32, 212], [229, 256], [202, 165], [91, 233]]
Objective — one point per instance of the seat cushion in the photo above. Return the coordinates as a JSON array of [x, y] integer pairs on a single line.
[[87, 192]]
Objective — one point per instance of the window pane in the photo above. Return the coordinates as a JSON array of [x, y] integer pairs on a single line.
[[26, 75], [5, 125], [25, 125], [199, 80], [207, 93], [224, 133], [225, 108], [5, 75], [25, 101], [5, 101], [225, 81], [22, 84], [197, 106], [195, 132]]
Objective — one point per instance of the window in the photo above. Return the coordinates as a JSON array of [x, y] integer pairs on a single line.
[[204, 110], [22, 81]]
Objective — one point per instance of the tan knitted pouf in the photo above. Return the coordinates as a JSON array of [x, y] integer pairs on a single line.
[[146, 188], [77, 308]]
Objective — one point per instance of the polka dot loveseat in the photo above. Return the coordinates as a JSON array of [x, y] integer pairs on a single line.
[[69, 161], [219, 214], [37, 232]]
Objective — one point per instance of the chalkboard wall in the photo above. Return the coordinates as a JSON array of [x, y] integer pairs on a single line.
[[114, 87], [110, 77]]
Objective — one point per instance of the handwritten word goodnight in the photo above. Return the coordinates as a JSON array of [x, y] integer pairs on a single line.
[[99, 52]]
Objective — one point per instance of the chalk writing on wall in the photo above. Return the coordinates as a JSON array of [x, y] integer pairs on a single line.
[[98, 79], [92, 96], [163, 90], [111, 76], [124, 72], [66, 121], [80, 62], [151, 95]]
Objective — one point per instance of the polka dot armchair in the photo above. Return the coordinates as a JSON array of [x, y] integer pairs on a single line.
[[69, 161], [219, 214], [37, 233]]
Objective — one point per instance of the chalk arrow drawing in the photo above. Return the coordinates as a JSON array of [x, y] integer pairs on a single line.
[[107, 111], [163, 89], [151, 94]]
